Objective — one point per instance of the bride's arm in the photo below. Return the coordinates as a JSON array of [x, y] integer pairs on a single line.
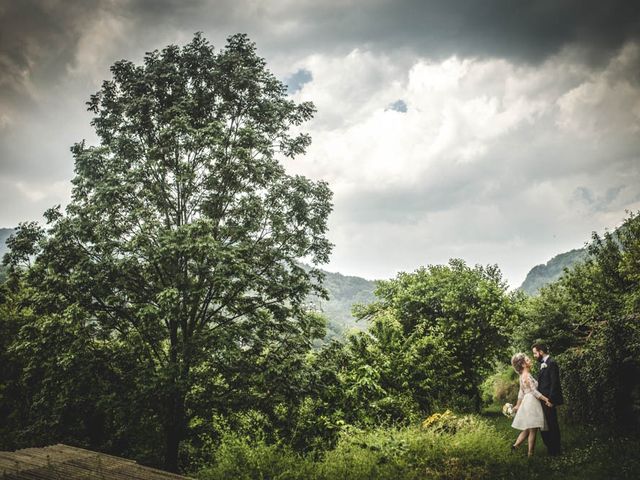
[[529, 385], [517, 405], [520, 397]]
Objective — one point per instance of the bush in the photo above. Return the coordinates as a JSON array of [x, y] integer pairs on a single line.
[[240, 457], [590, 319], [501, 387], [445, 446], [601, 380]]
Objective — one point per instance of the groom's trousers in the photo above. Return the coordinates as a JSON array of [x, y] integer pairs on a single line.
[[551, 437]]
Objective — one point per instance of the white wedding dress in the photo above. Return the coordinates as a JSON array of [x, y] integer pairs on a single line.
[[530, 414]]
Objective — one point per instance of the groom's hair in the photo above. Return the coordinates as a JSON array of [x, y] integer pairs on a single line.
[[541, 347]]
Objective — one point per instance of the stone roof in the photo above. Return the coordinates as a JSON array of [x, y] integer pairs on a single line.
[[62, 462]]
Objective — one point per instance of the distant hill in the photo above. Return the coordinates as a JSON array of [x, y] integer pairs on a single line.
[[541, 275], [4, 234], [344, 291]]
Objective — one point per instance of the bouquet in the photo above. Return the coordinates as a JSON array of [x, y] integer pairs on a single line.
[[507, 410]]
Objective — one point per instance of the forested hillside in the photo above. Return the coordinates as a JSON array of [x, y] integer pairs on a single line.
[[344, 291], [4, 234]]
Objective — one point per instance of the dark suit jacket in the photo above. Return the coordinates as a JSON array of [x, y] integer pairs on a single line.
[[549, 382]]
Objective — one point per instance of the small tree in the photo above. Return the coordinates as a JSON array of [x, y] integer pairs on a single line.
[[462, 312], [184, 231]]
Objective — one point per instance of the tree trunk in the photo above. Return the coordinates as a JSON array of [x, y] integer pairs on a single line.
[[174, 430], [175, 411], [478, 398], [171, 449]]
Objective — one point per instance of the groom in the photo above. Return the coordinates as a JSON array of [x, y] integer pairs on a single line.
[[549, 385]]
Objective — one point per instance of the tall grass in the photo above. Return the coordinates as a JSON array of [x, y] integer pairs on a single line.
[[455, 447]]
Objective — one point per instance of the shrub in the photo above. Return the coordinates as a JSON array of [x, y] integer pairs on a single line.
[[601, 380], [241, 457], [445, 446], [445, 421], [500, 387]]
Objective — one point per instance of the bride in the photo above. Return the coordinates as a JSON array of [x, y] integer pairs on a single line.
[[529, 415]]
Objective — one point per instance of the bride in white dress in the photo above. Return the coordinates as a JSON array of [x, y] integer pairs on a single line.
[[529, 416]]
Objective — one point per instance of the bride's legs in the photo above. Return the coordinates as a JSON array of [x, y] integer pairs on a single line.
[[521, 437], [533, 432]]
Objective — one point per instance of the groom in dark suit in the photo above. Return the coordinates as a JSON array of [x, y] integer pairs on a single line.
[[549, 385]]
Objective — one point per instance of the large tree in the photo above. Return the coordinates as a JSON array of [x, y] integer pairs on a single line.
[[184, 230]]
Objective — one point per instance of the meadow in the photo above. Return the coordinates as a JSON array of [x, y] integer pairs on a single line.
[[467, 446]]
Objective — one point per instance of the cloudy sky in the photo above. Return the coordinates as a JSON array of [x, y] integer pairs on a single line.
[[496, 131]]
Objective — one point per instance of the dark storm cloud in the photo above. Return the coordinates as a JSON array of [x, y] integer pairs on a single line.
[[38, 45], [38, 38], [527, 31], [531, 182], [37, 41]]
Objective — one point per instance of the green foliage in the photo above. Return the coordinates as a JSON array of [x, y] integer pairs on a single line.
[[64, 383], [501, 387], [442, 327], [393, 376], [271, 386], [602, 378], [466, 449], [11, 320], [591, 319], [432, 336], [469, 447], [241, 457], [382, 453]]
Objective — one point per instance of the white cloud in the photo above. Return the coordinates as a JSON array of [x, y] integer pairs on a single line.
[[36, 192], [484, 164], [26, 200]]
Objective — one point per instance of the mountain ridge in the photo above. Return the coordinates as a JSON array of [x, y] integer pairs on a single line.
[[551, 271]]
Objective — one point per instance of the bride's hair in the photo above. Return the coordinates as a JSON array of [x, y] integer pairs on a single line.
[[518, 361]]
